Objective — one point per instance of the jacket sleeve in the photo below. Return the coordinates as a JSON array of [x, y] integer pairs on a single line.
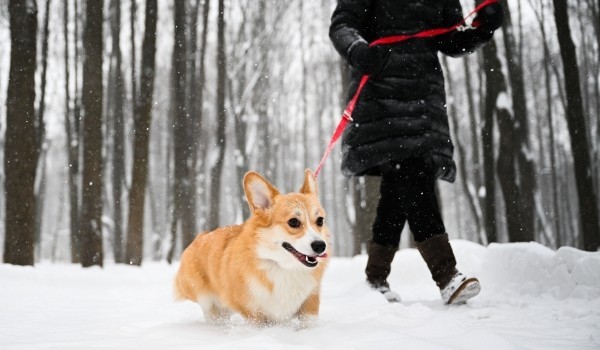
[[462, 41], [347, 25]]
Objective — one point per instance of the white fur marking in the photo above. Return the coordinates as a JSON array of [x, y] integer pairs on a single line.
[[290, 291]]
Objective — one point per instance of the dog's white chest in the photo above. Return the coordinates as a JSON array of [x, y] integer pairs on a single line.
[[290, 290]]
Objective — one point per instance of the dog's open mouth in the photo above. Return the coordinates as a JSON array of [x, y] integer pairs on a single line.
[[310, 261]]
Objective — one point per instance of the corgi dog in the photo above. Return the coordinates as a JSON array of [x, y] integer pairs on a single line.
[[269, 268]]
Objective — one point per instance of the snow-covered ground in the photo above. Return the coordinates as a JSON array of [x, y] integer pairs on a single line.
[[532, 298]]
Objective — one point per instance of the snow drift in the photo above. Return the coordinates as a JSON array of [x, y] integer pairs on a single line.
[[532, 298]]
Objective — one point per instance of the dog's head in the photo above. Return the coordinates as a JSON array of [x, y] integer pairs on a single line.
[[290, 227]]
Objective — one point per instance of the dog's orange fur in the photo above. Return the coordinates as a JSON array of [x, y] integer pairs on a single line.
[[223, 271]]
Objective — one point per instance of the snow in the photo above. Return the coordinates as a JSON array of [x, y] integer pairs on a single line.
[[532, 298]]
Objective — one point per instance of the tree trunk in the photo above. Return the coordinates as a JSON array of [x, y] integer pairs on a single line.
[[142, 117], [517, 176], [182, 196], [118, 149], [132, 15], [188, 217], [40, 186], [72, 147], [491, 67], [20, 154], [40, 127], [198, 138], [91, 215], [215, 174], [475, 137], [588, 206], [40, 197]]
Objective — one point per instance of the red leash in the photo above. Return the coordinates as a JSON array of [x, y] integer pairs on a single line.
[[394, 39]]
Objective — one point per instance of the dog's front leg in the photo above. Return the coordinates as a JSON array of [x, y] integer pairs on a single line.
[[309, 311], [255, 319]]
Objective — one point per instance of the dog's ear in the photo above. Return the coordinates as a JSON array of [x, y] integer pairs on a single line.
[[310, 183], [260, 192]]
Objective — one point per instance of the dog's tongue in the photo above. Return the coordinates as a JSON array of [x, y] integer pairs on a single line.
[[322, 256]]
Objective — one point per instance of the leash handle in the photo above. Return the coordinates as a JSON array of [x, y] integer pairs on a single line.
[[430, 33], [393, 39]]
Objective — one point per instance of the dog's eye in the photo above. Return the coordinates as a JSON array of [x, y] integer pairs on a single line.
[[320, 220], [294, 223]]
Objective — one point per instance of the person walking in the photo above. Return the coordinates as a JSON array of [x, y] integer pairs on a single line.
[[400, 126]]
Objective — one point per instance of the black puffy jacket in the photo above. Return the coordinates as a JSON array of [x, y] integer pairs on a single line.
[[401, 112]]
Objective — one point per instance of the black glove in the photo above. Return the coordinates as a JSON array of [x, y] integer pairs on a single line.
[[365, 59], [489, 18], [359, 57]]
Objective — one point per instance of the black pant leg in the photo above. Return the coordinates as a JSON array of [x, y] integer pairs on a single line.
[[422, 207], [390, 217]]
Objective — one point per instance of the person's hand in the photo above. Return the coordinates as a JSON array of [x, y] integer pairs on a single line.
[[489, 18], [360, 57], [364, 58]]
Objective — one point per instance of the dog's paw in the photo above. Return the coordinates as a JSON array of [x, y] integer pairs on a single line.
[[307, 322]]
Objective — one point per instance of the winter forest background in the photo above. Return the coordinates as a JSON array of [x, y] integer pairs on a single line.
[[127, 125]]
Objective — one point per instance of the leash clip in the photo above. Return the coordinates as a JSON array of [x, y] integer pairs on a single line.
[[347, 116], [465, 27]]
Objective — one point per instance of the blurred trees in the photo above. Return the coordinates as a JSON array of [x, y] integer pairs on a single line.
[[256, 85]]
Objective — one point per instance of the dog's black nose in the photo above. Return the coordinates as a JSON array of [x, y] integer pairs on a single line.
[[318, 246]]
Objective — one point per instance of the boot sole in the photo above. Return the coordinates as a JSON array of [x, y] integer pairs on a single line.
[[466, 291]]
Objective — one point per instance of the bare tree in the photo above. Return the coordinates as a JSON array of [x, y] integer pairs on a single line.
[[188, 215], [116, 117], [493, 87], [475, 139], [181, 132], [20, 153], [132, 16], [588, 206], [515, 165], [199, 136], [91, 214], [72, 144], [217, 170], [40, 140], [143, 114]]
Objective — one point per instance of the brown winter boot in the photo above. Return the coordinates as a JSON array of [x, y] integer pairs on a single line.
[[378, 269], [439, 257]]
